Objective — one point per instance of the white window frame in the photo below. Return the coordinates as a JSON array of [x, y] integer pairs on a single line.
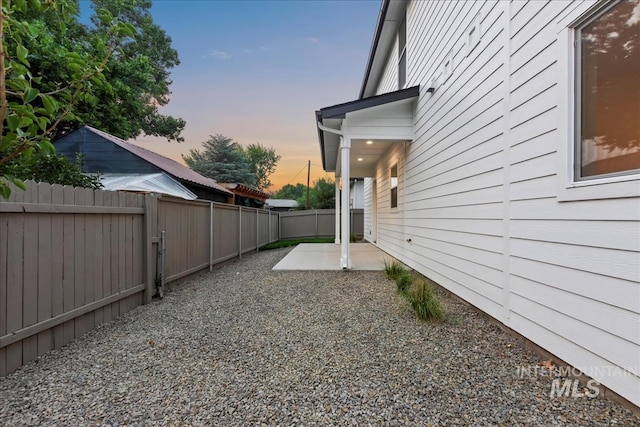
[[391, 186], [568, 187]]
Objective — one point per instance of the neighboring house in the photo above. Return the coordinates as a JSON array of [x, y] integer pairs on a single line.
[[356, 193], [281, 205], [500, 146], [243, 195], [107, 154]]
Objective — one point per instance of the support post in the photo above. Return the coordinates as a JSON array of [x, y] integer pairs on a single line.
[[345, 148], [337, 183], [257, 229]]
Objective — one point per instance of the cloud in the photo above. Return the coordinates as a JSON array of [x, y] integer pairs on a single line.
[[218, 54], [247, 51], [312, 39]]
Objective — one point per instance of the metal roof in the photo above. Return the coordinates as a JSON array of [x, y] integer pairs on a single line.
[[170, 166], [282, 203], [146, 183]]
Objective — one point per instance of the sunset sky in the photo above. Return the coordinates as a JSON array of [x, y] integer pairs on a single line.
[[256, 71]]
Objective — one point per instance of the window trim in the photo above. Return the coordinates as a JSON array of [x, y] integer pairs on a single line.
[[577, 58], [392, 187], [569, 188]]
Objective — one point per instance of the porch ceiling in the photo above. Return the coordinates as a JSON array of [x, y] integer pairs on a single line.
[[381, 120]]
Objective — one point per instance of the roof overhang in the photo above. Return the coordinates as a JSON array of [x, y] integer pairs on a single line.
[[378, 119], [392, 12]]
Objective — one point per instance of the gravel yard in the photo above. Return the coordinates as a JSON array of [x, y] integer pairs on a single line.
[[248, 346]]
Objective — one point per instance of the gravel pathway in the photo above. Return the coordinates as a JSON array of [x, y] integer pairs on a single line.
[[248, 346]]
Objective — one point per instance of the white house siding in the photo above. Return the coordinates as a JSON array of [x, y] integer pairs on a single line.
[[478, 193], [369, 232]]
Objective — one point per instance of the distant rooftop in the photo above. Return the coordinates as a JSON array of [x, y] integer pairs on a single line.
[[168, 165]]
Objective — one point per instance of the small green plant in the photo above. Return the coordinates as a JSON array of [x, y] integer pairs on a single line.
[[404, 280], [424, 302], [393, 269]]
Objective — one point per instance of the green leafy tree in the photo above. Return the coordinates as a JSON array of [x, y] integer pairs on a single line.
[[221, 159], [53, 168], [291, 192], [138, 76], [32, 104], [323, 195], [263, 163]]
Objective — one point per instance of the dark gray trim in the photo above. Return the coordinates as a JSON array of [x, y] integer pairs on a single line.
[[321, 139], [339, 111], [374, 45]]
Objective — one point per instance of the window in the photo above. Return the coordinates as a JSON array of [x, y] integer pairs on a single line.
[[393, 183], [608, 93], [402, 54]]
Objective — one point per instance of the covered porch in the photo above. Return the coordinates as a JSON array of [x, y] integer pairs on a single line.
[[323, 257], [353, 137]]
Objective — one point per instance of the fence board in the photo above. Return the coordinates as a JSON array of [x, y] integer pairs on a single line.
[[57, 264], [68, 284], [44, 267], [106, 255], [30, 277], [4, 241], [123, 261], [15, 249]]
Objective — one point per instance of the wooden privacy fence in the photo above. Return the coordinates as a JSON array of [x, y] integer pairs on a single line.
[[72, 258], [317, 223]]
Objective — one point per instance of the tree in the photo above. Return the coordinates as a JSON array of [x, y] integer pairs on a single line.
[[53, 168], [323, 195], [137, 74], [221, 159], [32, 106], [291, 192], [263, 163]]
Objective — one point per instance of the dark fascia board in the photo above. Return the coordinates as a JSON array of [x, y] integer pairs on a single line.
[[374, 44], [321, 139], [339, 111]]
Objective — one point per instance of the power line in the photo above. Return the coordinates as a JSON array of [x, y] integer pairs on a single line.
[[303, 168]]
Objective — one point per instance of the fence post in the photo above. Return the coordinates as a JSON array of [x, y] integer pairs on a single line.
[[210, 237], [316, 223], [270, 234], [150, 203], [279, 226], [240, 232]]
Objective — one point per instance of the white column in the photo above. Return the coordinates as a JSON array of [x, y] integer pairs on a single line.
[[337, 183], [345, 147]]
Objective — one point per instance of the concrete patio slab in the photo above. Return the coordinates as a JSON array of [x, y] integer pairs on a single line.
[[326, 256]]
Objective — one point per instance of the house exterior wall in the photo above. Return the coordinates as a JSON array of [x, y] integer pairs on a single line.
[[482, 195], [100, 155]]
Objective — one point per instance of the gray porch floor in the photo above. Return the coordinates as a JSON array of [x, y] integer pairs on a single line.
[[326, 256]]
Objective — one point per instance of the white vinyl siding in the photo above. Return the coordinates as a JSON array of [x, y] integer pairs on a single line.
[[368, 209], [478, 189]]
